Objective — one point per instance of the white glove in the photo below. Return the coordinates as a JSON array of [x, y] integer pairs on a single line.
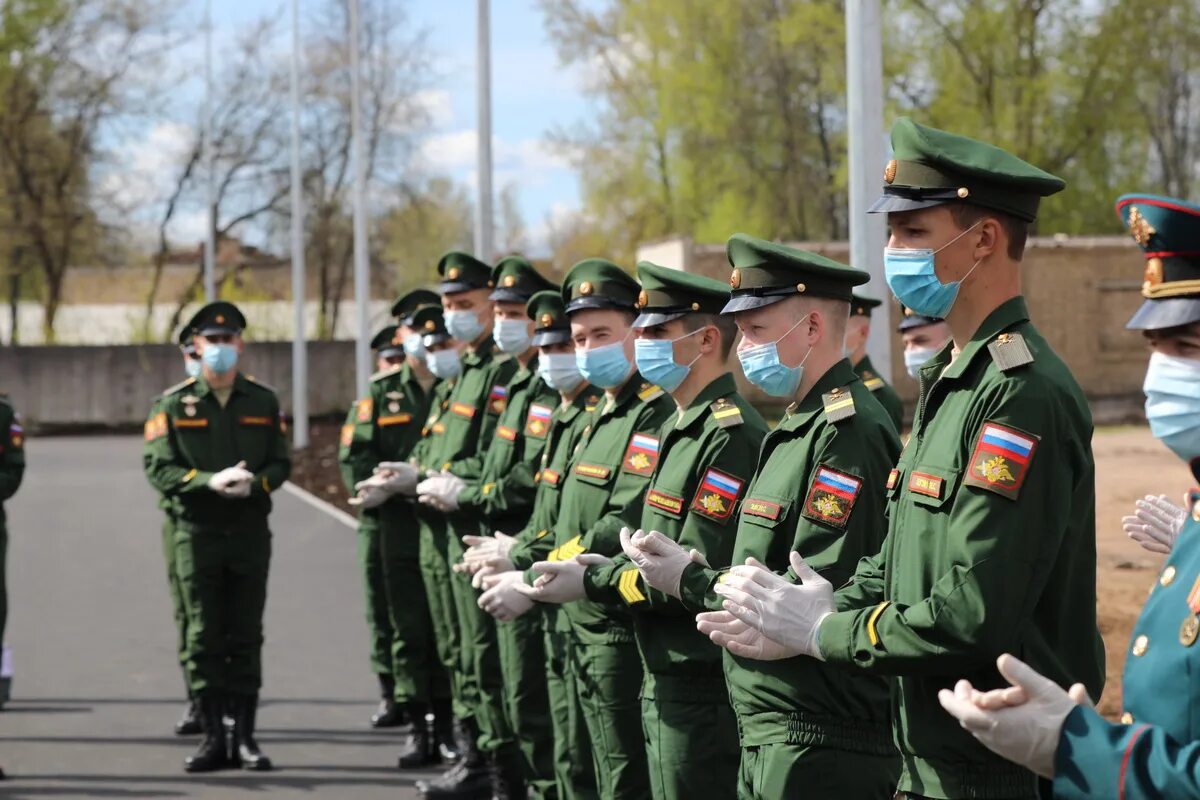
[[726, 630], [483, 549], [369, 497], [503, 601], [789, 613], [1022, 723], [1155, 524], [398, 477], [561, 581], [441, 491], [232, 481], [660, 560]]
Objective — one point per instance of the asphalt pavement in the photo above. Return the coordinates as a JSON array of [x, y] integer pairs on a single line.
[[97, 687]]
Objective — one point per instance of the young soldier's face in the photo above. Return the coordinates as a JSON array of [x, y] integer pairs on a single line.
[[596, 327], [1180, 342], [926, 337], [935, 229]]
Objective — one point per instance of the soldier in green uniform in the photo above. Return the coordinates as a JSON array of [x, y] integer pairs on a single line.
[[500, 499], [219, 450], [923, 337], [189, 722], [806, 728], [12, 470], [1152, 751], [499, 562], [383, 428], [602, 493], [858, 329], [707, 456], [991, 523]]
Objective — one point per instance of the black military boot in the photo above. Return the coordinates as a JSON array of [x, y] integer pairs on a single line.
[[420, 750], [444, 731], [389, 714], [469, 779], [244, 711], [211, 754], [189, 723]]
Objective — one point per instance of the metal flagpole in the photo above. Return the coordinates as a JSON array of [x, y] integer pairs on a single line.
[[362, 289], [484, 226], [210, 200], [299, 293]]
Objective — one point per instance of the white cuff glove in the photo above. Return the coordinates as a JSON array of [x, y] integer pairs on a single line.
[[561, 581], [398, 477], [483, 549], [232, 481], [789, 613], [726, 630], [441, 491], [660, 560], [1022, 723], [503, 601], [368, 496], [1155, 524]]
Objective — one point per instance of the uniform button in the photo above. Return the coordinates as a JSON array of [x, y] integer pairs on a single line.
[[1167, 576], [1127, 718], [1140, 644]]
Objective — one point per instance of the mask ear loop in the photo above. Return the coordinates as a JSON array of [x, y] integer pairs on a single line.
[[691, 363]]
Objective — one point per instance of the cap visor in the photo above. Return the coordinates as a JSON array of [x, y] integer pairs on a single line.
[[456, 287], [589, 303], [390, 352], [509, 296], [543, 338], [649, 319], [430, 339], [908, 323], [217, 330], [891, 202], [1155, 315], [748, 302]]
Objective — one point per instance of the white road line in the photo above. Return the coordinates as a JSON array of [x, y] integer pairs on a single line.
[[323, 505]]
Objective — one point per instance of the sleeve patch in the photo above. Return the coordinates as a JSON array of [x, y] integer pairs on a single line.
[[463, 410], [627, 585], [506, 433], [641, 456], [365, 407], [1001, 460], [156, 427], [832, 496], [893, 479], [717, 495], [538, 421], [347, 435], [498, 399]]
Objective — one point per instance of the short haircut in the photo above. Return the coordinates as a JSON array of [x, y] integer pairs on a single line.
[[837, 312], [967, 214], [724, 323]]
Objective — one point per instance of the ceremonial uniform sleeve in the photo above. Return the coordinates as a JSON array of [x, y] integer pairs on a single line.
[[166, 469], [470, 468], [624, 506], [1097, 758], [707, 528], [512, 491], [12, 456], [1002, 542], [358, 452], [866, 587], [278, 464]]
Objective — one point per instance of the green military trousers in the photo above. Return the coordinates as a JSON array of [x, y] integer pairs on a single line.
[[178, 609], [436, 578], [3, 577], [609, 681], [691, 737], [223, 578], [379, 624], [574, 776], [412, 650], [772, 771], [526, 702]]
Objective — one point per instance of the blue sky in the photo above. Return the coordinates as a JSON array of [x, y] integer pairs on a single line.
[[531, 95]]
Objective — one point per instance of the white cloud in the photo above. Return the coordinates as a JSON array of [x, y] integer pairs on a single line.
[[558, 217], [437, 104], [146, 166], [527, 161], [448, 151], [188, 227]]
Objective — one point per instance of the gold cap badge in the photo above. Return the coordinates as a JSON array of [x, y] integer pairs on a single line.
[[1139, 228], [889, 172], [1153, 274], [585, 288], [220, 319], [452, 273], [547, 320], [429, 325], [510, 280], [735, 278], [643, 299]]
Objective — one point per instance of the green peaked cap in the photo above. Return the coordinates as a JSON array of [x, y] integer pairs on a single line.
[[765, 273], [385, 340], [861, 305], [406, 304], [930, 167], [549, 315], [599, 283], [462, 272], [428, 321], [219, 317], [668, 294], [515, 280]]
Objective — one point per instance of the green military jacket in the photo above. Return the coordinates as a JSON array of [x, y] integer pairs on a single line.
[[883, 391], [991, 548], [708, 453], [191, 437], [148, 429], [603, 491], [503, 495], [384, 426], [818, 490], [12, 453]]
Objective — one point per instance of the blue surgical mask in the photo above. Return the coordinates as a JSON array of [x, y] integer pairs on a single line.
[[559, 371], [916, 358], [912, 277], [1172, 390], [655, 359], [463, 325], [220, 358], [193, 367], [513, 336], [763, 368], [605, 366], [445, 364], [413, 345]]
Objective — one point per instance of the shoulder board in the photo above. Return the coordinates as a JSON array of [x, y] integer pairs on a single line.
[[726, 413], [384, 373], [1009, 351], [590, 404], [260, 384], [181, 385], [649, 392], [872, 381], [839, 405]]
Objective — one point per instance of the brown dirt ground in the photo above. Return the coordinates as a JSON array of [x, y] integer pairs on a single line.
[[1129, 464]]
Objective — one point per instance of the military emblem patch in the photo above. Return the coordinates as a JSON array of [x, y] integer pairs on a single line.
[[498, 399], [1001, 459], [831, 497], [506, 433], [156, 428], [347, 435], [538, 421], [717, 495], [365, 407], [666, 502], [641, 456]]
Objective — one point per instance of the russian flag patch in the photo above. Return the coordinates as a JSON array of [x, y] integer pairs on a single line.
[[832, 496], [641, 456], [717, 495], [498, 399], [538, 421], [1001, 459]]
